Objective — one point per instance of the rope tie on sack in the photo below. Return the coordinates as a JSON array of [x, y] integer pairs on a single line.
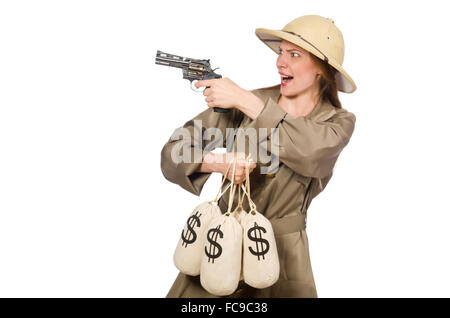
[[246, 188], [233, 187], [220, 193], [243, 189]]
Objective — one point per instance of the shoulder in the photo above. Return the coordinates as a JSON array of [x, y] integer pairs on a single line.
[[342, 113], [267, 92], [343, 120]]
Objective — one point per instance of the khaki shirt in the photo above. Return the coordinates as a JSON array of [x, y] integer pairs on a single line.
[[308, 149]]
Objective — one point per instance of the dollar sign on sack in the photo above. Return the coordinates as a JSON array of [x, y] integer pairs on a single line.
[[191, 236], [212, 239], [263, 247]]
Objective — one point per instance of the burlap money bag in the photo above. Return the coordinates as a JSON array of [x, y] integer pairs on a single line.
[[261, 266], [189, 250], [221, 262]]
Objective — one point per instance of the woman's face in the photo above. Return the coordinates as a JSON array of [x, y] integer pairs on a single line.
[[295, 62]]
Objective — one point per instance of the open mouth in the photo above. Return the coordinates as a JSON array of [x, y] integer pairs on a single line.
[[286, 79]]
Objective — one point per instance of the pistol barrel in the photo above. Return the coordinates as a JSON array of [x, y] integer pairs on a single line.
[[171, 60]]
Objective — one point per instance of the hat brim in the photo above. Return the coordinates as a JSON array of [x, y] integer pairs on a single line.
[[273, 38]]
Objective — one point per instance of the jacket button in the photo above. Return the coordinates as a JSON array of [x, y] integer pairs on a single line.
[[270, 175]]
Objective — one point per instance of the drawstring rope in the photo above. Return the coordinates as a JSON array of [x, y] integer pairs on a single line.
[[245, 188], [220, 193], [233, 187]]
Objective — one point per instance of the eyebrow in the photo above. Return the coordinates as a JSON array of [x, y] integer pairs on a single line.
[[290, 50]]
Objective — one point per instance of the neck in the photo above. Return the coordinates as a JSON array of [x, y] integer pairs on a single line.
[[299, 105]]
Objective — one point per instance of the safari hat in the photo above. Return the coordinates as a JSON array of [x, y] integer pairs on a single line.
[[317, 35]]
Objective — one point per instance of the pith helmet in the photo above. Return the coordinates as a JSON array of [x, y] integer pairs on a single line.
[[317, 35]]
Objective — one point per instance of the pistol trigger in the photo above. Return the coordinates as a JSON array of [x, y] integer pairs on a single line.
[[193, 85]]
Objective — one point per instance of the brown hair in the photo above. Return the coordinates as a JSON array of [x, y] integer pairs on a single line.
[[327, 82]]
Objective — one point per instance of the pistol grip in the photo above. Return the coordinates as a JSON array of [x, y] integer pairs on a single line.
[[221, 110], [218, 109]]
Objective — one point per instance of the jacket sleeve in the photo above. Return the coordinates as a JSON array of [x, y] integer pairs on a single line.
[[307, 147], [187, 141]]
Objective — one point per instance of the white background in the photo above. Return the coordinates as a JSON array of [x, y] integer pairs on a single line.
[[84, 112]]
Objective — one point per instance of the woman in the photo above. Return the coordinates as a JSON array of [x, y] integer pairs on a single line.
[[313, 129]]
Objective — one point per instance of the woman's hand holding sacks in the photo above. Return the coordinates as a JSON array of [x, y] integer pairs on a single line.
[[219, 162]]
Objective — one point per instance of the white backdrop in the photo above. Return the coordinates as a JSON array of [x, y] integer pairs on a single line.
[[84, 112]]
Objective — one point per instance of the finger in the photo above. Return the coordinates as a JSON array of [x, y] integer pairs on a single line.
[[203, 83], [210, 99], [207, 92], [238, 175]]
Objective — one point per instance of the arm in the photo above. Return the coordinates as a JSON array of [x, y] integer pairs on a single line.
[[209, 164], [222, 162], [308, 147], [193, 175]]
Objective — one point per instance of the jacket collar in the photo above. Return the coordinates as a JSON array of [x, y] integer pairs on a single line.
[[323, 111]]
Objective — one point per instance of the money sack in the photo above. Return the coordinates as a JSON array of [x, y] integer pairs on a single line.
[[188, 253], [261, 266], [221, 262]]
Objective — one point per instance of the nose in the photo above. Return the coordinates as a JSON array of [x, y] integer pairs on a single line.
[[281, 61]]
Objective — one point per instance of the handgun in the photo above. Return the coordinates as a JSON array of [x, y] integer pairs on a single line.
[[193, 70]]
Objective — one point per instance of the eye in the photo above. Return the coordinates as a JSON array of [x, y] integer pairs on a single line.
[[293, 54]]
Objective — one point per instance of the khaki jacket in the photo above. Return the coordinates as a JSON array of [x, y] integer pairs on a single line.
[[308, 149]]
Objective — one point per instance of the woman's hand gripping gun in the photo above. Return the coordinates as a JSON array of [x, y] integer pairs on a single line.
[[193, 70]]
